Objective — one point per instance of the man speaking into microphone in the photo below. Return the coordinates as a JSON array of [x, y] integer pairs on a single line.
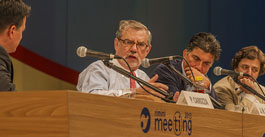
[[247, 61], [200, 53], [133, 43]]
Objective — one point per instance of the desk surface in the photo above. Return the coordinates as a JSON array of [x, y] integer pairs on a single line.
[[74, 114]]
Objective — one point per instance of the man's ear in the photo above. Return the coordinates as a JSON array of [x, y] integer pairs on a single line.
[[184, 53], [11, 31], [116, 43], [148, 49]]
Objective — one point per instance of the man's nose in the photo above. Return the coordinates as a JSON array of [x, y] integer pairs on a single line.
[[199, 66], [134, 47], [249, 71]]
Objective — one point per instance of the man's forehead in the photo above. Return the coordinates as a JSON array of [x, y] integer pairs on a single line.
[[250, 62], [204, 56], [135, 34]]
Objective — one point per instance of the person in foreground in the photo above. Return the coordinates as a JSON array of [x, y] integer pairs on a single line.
[[13, 16], [249, 60], [132, 42], [200, 53]]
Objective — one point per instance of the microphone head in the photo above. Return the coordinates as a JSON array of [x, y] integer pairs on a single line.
[[217, 71], [81, 51], [145, 63]]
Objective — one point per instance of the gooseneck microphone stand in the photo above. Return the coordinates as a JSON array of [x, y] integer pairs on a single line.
[[188, 81], [248, 88], [168, 97]]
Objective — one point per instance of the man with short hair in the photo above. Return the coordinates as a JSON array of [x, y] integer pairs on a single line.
[[200, 53], [133, 43], [13, 16], [249, 60]]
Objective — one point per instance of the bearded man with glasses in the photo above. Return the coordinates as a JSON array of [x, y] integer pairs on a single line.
[[133, 43]]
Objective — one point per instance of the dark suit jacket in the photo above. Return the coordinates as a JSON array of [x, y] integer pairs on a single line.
[[6, 72], [171, 79]]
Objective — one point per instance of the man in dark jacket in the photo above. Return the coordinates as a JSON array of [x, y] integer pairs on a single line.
[[13, 16], [201, 52]]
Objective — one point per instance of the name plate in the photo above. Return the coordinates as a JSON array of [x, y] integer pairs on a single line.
[[258, 109], [194, 99]]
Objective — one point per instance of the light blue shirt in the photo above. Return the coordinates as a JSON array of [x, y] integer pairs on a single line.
[[100, 79]]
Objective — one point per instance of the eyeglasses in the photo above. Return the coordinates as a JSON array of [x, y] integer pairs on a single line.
[[130, 43]]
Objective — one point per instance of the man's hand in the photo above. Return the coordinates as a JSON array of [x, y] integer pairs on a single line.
[[248, 82], [153, 82], [176, 96], [205, 80]]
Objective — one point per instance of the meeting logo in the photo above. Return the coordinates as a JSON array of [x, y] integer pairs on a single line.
[[145, 120], [177, 123]]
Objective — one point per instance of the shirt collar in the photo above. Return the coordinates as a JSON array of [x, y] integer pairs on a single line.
[[117, 63], [183, 72]]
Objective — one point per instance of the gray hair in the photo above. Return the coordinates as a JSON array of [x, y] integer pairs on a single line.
[[125, 24]]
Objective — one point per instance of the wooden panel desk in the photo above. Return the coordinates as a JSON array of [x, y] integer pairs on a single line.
[[74, 114], [253, 126]]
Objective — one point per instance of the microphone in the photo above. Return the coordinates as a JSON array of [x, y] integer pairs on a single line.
[[188, 81], [220, 71], [146, 63], [83, 52]]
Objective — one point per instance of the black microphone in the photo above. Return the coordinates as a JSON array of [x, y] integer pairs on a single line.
[[188, 81], [148, 62], [83, 52], [220, 71]]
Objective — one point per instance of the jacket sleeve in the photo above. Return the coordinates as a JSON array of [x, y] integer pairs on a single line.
[[6, 83], [167, 77]]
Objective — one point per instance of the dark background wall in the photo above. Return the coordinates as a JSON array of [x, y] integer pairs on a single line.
[[56, 28]]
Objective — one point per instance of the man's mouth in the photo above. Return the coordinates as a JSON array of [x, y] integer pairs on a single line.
[[131, 57]]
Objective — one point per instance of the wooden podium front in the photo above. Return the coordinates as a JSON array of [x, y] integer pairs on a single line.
[[74, 114]]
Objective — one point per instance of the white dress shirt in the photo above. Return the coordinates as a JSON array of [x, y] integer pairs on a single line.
[[99, 79]]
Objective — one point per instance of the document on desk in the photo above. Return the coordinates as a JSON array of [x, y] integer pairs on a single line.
[[194, 99]]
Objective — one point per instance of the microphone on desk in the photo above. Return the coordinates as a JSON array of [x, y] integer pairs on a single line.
[[146, 63], [220, 71], [83, 52]]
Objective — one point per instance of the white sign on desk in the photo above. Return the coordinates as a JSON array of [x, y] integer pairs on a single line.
[[194, 99], [258, 108]]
